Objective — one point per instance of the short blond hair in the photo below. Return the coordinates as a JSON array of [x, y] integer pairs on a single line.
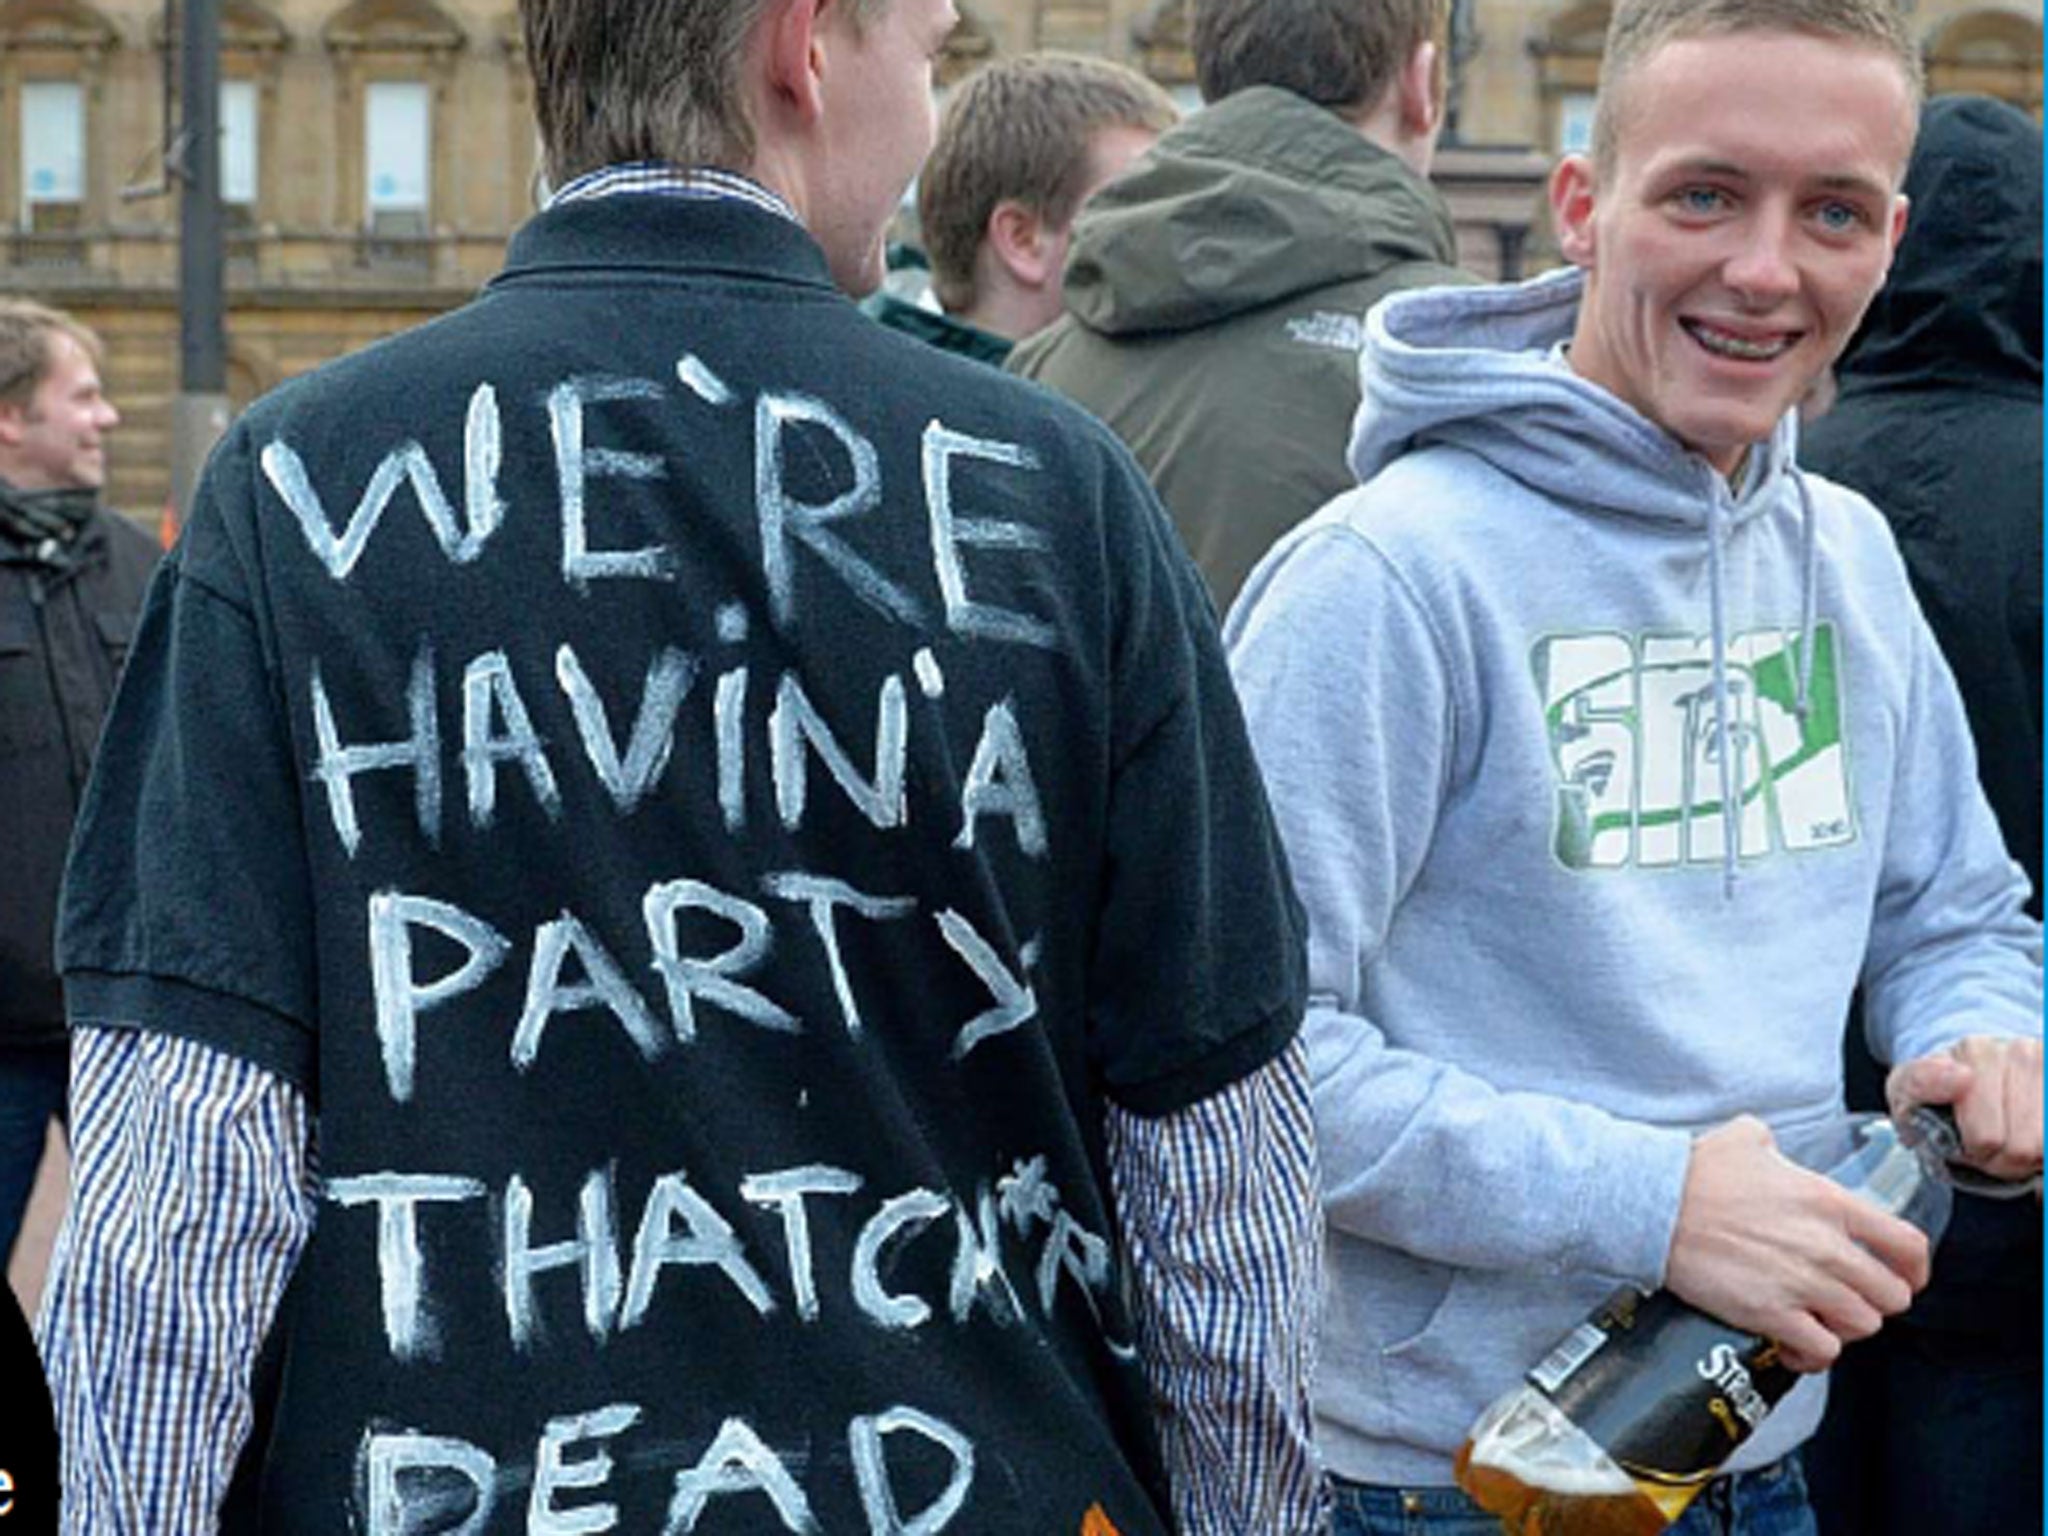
[[25, 331], [1639, 28], [1021, 130]]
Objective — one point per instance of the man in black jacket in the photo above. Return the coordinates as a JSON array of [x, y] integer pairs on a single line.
[[71, 578], [737, 823], [1936, 1423]]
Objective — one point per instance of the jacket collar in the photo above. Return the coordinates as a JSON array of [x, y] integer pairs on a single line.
[[654, 235], [54, 529], [937, 329]]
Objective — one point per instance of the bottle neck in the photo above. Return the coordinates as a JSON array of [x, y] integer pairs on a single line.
[[1904, 1175]]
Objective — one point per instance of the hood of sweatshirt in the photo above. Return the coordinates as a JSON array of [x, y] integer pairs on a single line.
[[1482, 370], [1963, 303], [1261, 196]]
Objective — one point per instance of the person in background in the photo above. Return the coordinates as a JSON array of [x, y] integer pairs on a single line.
[[735, 826], [72, 575], [1023, 143], [1215, 298], [1935, 1424], [1611, 753]]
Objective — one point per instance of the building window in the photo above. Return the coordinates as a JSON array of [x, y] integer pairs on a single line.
[[1567, 56], [397, 156], [1575, 123], [53, 74], [252, 45], [396, 167], [238, 148], [52, 155]]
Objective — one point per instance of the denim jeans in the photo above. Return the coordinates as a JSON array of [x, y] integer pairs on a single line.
[[1770, 1501], [34, 1080]]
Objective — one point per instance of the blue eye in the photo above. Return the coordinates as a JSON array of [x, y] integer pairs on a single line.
[[1840, 218], [1701, 200]]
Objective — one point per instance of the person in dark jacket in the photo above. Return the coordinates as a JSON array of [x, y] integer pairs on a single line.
[[1216, 296], [1023, 144], [1936, 1423], [880, 956], [71, 578]]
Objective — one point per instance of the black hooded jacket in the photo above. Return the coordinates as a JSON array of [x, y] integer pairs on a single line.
[[1939, 423], [64, 630]]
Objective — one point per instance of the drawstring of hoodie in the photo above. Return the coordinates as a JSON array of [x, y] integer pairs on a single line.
[[1802, 696], [1724, 755], [1809, 601]]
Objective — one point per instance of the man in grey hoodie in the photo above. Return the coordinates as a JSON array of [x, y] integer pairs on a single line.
[[1611, 751], [1215, 299]]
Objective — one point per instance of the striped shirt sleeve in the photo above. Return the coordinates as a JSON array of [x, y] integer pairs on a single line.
[[191, 1201], [1220, 1211]]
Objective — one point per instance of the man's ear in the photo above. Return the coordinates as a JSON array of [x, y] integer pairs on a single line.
[[13, 424], [1016, 236], [1572, 188], [796, 55], [1422, 103]]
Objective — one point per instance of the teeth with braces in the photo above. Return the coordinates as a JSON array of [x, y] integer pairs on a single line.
[[1736, 347]]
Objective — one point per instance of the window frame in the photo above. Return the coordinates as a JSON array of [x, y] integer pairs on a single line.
[[422, 93], [68, 46], [26, 202]]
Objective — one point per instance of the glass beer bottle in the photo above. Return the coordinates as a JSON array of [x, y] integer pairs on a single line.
[[1623, 1424]]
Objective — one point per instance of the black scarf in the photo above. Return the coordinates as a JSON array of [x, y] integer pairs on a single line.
[[46, 524]]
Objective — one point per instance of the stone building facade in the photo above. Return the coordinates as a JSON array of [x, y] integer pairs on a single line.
[[377, 153]]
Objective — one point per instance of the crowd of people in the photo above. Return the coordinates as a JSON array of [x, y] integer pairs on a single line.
[[686, 919]]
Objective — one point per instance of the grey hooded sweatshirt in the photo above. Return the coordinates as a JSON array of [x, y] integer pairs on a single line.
[[1216, 300], [1494, 691]]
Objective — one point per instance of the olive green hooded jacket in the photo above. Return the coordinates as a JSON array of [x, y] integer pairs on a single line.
[[1216, 300]]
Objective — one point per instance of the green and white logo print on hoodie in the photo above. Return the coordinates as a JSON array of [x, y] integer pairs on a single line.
[[1634, 741]]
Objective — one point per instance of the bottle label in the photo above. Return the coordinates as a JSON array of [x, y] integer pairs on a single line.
[[1563, 1362], [1665, 1390]]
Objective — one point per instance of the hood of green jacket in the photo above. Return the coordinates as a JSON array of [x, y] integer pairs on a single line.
[[1213, 221]]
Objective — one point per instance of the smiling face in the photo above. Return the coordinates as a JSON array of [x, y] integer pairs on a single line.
[[880, 120], [1747, 219], [53, 441]]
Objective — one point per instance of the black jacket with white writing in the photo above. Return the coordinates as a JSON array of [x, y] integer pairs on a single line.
[[712, 798]]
